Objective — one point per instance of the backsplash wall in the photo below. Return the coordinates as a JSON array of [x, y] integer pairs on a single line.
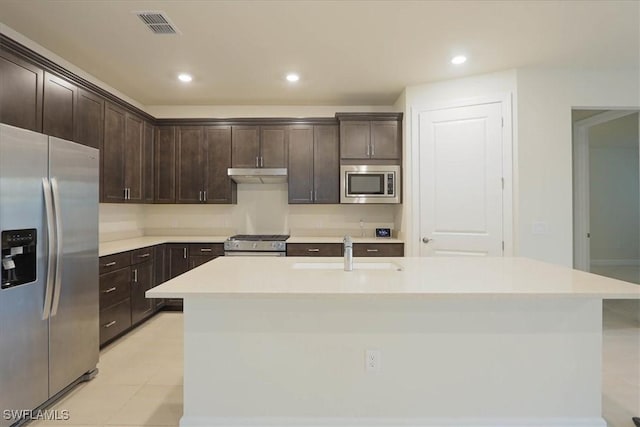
[[261, 209], [120, 221]]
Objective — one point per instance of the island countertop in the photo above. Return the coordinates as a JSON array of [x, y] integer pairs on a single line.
[[438, 276]]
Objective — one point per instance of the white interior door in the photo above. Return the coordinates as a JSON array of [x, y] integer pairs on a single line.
[[461, 181]]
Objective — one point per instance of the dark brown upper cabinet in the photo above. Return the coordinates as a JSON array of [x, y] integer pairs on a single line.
[[218, 186], [122, 156], [203, 157], [21, 87], [375, 139], [164, 161], [189, 164], [259, 146], [326, 164], [147, 162], [314, 163], [300, 168], [112, 155], [89, 119], [134, 158], [59, 107]]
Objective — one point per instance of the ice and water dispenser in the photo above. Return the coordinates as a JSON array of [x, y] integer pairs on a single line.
[[18, 257]]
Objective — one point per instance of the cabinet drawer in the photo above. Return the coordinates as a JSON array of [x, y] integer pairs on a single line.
[[314, 249], [378, 249], [114, 287], [114, 262], [141, 255], [206, 249], [114, 320]]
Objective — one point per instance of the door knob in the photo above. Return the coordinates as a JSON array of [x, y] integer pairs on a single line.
[[426, 240]]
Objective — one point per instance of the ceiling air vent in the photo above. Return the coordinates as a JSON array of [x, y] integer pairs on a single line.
[[157, 22]]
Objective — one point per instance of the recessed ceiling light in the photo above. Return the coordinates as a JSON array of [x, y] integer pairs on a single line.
[[457, 60], [292, 77], [185, 77]]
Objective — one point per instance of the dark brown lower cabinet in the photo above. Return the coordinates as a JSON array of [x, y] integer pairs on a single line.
[[177, 257], [182, 257], [115, 320], [115, 303], [335, 249], [159, 273], [141, 282], [378, 249], [314, 249]]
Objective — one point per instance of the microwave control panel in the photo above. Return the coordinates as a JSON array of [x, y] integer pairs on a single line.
[[390, 184]]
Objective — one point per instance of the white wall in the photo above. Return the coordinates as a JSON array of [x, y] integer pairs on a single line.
[[545, 99], [433, 96], [614, 191], [260, 209], [120, 221]]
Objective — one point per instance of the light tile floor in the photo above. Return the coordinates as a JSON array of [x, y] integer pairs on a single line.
[[140, 380]]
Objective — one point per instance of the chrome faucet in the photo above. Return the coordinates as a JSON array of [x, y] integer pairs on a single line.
[[348, 253]]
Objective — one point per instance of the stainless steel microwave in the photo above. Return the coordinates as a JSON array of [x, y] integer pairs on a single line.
[[370, 184]]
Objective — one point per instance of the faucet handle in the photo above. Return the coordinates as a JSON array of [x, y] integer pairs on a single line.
[[348, 241]]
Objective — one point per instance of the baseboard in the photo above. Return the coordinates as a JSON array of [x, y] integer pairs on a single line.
[[615, 262], [187, 421]]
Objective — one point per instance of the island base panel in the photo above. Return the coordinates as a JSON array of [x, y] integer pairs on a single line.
[[468, 361]]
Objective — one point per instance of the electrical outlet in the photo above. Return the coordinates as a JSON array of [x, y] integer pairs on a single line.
[[372, 360]]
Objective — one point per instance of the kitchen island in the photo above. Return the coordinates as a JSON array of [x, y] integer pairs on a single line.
[[397, 341]]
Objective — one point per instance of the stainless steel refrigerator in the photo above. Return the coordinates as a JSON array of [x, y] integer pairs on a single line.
[[49, 293]]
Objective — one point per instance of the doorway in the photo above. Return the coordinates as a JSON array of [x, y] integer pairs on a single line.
[[607, 193]]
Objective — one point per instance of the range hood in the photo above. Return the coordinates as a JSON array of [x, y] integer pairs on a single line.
[[258, 175]]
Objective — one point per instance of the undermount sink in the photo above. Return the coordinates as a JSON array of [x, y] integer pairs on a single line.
[[340, 266]]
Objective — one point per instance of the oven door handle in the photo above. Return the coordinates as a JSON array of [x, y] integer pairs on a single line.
[[246, 253]]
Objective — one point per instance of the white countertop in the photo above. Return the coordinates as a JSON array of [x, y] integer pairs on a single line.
[[418, 276], [109, 248], [113, 247]]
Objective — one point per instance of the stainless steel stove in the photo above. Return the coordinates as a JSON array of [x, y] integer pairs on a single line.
[[256, 245]]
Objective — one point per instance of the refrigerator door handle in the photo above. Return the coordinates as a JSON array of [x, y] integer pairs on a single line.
[[51, 242], [58, 216]]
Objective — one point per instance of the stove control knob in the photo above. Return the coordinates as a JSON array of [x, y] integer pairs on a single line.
[[236, 244], [255, 245]]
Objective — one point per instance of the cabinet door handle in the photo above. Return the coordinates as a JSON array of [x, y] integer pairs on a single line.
[[368, 148], [135, 275], [109, 264], [257, 161], [144, 255], [184, 253], [313, 250], [315, 195], [311, 195], [261, 161], [372, 250], [199, 196], [205, 249], [110, 324], [108, 291], [373, 150], [205, 195]]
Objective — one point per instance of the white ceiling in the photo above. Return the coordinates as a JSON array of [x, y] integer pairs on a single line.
[[347, 52]]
